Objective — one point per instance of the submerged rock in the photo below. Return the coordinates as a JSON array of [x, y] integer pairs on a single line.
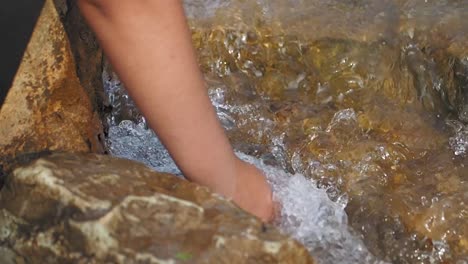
[[96, 209]]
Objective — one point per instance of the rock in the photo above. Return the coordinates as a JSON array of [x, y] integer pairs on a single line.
[[88, 208], [86, 51], [50, 106]]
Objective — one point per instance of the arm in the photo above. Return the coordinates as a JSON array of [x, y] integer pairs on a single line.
[[149, 45]]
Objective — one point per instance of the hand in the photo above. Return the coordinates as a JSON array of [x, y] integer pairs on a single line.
[[253, 192]]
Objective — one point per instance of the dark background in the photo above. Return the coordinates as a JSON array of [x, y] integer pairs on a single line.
[[17, 21]]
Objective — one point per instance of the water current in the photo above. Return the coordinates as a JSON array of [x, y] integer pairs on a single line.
[[357, 112]]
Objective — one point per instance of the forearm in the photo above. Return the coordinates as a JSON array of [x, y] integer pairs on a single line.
[[149, 45]]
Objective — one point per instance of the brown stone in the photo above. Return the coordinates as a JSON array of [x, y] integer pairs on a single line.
[[50, 106], [68, 208]]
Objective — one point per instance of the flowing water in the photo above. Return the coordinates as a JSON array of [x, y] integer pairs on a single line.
[[356, 110]]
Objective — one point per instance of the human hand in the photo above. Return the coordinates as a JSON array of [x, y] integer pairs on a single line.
[[252, 192]]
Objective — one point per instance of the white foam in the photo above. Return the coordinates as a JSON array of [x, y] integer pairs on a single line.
[[311, 217]]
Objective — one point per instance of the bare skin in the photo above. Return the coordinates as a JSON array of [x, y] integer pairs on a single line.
[[149, 45]]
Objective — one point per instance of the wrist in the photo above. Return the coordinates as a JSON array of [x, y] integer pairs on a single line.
[[228, 182], [219, 177]]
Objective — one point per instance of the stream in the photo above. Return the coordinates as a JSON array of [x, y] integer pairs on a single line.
[[357, 112]]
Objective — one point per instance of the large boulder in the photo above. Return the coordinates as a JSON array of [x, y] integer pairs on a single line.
[[52, 103], [77, 208]]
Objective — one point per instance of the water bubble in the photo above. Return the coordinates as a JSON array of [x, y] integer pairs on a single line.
[[459, 141]]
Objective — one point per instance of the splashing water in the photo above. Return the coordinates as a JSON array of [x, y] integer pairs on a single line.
[[136, 142], [311, 217], [307, 212]]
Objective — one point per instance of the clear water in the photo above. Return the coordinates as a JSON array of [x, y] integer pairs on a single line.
[[366, 99]]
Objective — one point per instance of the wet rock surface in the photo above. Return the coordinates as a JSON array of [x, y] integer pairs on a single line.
[[67, 208], [51, 97]]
